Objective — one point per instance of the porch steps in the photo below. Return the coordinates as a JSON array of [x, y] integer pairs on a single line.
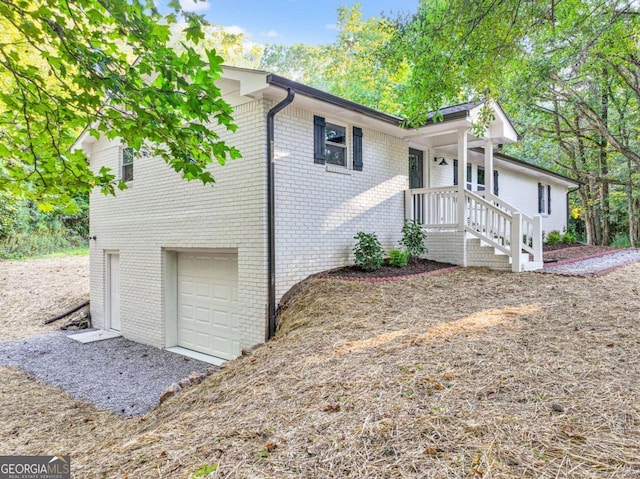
[[481, 253]]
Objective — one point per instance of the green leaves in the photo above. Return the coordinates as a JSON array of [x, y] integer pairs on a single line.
[[67, 65]]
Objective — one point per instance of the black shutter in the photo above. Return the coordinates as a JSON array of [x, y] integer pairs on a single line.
[[319, 126], [540, 198], [548, 199], [357, 148], [455, 172], [496, 188]]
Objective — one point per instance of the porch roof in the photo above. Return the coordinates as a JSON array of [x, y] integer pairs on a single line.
[[530, 166]]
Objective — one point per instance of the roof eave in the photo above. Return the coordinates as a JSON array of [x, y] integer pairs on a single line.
[[308, 91]]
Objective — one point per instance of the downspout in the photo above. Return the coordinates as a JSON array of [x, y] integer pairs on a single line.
[[271, 216]]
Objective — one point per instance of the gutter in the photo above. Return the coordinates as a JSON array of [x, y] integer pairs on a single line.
[[271, 217], [332, 99]]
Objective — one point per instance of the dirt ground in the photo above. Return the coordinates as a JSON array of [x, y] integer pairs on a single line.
[[466, 374], [34, 290]]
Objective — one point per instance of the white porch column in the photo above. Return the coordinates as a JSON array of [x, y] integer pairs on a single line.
[[462, 178], [488, 166]]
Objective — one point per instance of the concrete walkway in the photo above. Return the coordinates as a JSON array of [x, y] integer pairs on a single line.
[[593, 266]]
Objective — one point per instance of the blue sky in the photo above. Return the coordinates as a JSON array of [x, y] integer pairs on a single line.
[[288, 21]]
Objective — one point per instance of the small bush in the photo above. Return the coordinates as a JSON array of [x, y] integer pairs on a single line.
[[413, 237], [621, 241], [398, 258], [568, 238], [553, 237], [368, 251]]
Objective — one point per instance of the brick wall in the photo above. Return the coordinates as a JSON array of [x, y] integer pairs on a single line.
[[160, 212], [319, 208]]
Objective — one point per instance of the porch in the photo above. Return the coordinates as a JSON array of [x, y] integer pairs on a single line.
[[466, 221], [475, 228]]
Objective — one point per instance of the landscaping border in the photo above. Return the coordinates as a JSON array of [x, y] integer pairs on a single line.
[[390, 279]]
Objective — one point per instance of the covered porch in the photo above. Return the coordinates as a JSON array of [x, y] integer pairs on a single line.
[[454, 194]]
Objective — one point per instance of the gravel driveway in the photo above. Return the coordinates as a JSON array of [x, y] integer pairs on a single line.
[[594, 266], [116, 374]]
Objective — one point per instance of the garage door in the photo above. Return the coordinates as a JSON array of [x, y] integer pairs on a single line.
[[208, 304]]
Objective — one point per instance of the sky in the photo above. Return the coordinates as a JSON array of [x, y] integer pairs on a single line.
[[288, 21]]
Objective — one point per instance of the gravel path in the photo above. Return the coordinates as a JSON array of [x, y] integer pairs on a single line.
[[594, 266], [116, 374]]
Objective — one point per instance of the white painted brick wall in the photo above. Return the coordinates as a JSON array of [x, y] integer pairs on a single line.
[[162, 211], [318, 211], [445, 246], [484, 256]]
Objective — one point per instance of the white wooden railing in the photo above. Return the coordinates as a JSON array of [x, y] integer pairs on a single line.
[[486, 217], [433, 207], [531, 226]]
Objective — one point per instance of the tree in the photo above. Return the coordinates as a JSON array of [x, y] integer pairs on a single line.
[[353, 67], [568, 71], [106, 65]]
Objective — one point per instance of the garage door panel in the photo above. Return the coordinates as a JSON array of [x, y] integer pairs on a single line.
[[208, 303]]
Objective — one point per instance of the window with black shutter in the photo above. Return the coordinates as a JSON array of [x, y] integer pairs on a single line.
[[549, 199], [496, 188], [319, 128], [541, 205], [455, 172], [357, 148]]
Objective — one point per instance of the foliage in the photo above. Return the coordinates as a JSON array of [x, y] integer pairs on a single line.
[[568, 238], [621, 241], [30, 232], [205, 470], [554, 237], [369, 254], [413, 238], [107, 64], [353, 67], [398, 258], [566, 72]]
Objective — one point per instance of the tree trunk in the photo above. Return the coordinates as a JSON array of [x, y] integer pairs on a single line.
[[603, 163]]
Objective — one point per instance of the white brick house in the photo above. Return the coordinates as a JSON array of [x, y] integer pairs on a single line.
[[177, 264]]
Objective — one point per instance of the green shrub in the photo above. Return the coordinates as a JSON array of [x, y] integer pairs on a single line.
[[568, 238], [413, 238], [553, 237], [398, 258], [368, 251], [621, 241]]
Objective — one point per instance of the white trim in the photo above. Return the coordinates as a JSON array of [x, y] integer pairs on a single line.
[[205, 358]]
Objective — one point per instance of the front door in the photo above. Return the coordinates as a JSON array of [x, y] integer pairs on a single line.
[[416, 169], [416, 180], [113, 281]]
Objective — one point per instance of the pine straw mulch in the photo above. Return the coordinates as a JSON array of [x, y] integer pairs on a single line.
[[34, 290], [465, 374], [415, 266]]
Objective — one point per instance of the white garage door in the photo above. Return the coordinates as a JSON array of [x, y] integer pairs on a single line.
[[208, 304]]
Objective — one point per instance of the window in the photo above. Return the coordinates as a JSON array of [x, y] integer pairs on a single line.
[[544, 199], [469, 176], [480, 178], [335, 145], [330, 144], [127, 164]]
